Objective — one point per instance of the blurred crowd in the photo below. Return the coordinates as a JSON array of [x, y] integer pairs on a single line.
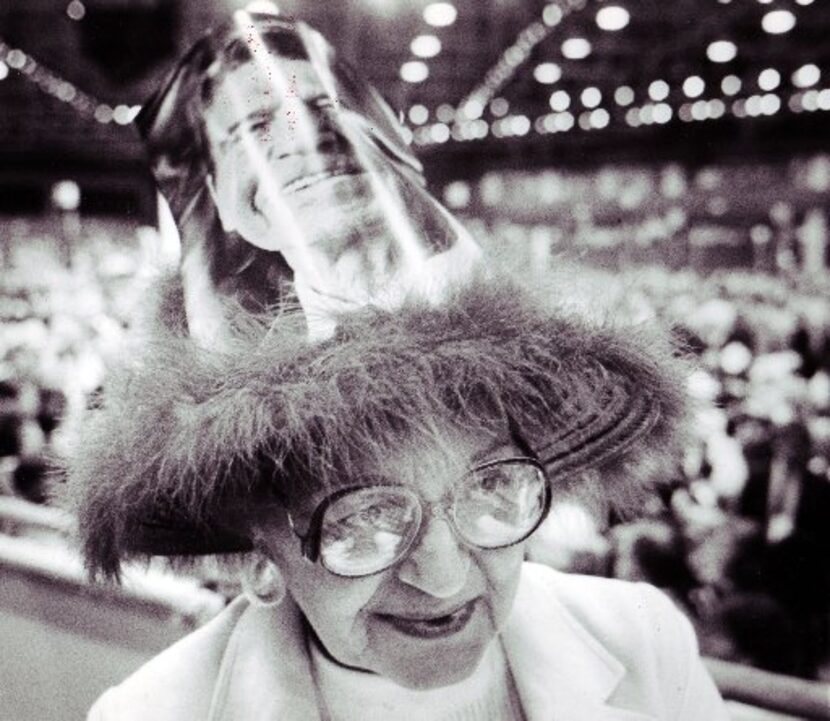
[[738, 531], [61, 315]]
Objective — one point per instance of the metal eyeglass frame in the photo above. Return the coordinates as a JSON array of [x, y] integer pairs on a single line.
[[442, 508]]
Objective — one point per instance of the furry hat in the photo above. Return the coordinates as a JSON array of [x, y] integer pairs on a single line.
[[224, 403], [189, 440]]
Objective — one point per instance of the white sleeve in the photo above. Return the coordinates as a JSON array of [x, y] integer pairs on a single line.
[[102, 709], [690, 693]]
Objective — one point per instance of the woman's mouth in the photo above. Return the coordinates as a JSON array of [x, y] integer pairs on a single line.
[[432, 626]]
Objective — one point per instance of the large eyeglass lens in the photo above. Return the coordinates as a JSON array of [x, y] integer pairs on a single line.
[[367, 530], [501, 503]]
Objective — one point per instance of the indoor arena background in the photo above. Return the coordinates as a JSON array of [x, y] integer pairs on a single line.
[[679, 149]]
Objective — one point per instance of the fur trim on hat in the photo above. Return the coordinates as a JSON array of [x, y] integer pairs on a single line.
[[188, 439]]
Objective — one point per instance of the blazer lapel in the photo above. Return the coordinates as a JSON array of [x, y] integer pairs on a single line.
[[562, 673], [265, 674]]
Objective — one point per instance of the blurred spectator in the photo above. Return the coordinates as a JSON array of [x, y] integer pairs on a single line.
[[739, 541]]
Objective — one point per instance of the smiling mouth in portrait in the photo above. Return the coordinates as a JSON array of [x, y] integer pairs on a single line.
[[441, 624], [335, 168]]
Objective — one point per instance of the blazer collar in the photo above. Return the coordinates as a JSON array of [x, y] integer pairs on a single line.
[[562, 673], [265, 673]]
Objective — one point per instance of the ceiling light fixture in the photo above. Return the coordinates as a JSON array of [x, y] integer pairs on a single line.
[[576, 48], [425, 46], [547, 73], [806, 75], [769, 79], [414, 71], [693, 86], [658, 90], [777, 22], [612, 18], [440, 15], [721, 51]]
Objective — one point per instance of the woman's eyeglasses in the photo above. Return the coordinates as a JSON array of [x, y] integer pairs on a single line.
[[362, 530]]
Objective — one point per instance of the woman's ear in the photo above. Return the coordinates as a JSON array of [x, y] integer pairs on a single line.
[[262, 581]]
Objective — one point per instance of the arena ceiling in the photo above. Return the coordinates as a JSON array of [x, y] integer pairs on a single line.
[[480, 82]]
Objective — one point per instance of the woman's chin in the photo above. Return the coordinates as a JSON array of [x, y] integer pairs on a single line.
[[437, 671], [419, 660]]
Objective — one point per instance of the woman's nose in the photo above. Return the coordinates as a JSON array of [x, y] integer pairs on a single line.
[[438, 565]]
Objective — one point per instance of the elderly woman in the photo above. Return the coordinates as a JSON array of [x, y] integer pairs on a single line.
[[342, 396]]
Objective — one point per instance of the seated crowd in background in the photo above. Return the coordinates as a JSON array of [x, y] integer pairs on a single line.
[[738, 533]]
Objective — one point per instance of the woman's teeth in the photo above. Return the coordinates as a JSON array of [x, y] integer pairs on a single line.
[[435, 626]]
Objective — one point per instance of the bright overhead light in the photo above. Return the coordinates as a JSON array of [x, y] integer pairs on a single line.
[[425, 46], [266, 7], [803, 2], [693, 86], [662, 113], [753, 106], [66, 195], [612, 18], [123, 114], [769, 79], [418, 114], [439, 133], [552, 15], [658, 90], [794, 103], [576, 48], [549, 123], [623, 95], [499, 107], [810, 100], [770, 104], [414, 71], [700, 110], [731, 85], [806, 76], [440, 15], [547, 73], [584, 120], [721, 51], [4, 70], [776, 22], [445, 113], [560, 101], [16, 59], [103, 114], [473, 109], [591, 97], [717, 108], [564, 121], [520, 125], [600, 118], [76, 10]]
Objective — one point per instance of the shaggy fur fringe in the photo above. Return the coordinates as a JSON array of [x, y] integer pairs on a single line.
[[189, 440]]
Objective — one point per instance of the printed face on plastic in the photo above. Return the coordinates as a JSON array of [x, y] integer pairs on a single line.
[[304, 161], [296, 161]]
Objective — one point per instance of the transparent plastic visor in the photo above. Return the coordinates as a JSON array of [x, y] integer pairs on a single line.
[[308, 163]]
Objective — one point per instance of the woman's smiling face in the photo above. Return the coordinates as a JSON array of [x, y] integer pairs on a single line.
[[426, 621]]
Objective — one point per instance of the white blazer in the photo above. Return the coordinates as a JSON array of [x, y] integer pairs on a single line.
[[580, 648]]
